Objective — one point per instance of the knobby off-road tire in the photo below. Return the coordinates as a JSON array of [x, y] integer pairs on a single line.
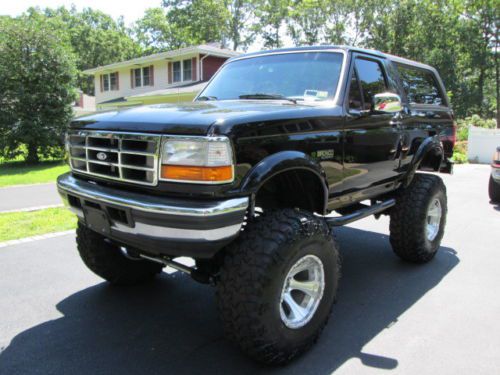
[[410, 237], [107, 261], [494, 190], [252, 281]]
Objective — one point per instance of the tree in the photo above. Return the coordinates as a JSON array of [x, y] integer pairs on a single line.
[[95, 37], [182, 23], [240, 21], [271, 16], [37, 72], [480, 23], [306, 21], [197, 21], [155, 34]]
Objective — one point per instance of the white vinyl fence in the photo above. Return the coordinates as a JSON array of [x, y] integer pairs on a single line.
[[482, 144]]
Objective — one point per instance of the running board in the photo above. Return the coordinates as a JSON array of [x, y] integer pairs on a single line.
[[360, 214]]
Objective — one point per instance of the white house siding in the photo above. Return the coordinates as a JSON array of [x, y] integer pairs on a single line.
[[125, 89], [482, 144]]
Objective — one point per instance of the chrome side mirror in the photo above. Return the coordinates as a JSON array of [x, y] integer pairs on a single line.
[[387, 102]]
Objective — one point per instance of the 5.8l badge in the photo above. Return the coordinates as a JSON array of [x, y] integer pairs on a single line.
[[323, 154]]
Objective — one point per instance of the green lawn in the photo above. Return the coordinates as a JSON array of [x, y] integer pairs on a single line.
[[26, 224], [20, 173]]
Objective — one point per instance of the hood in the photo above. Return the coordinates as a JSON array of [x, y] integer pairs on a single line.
[[196, 118]]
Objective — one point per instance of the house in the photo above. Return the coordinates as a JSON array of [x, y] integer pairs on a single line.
[[165, 77]]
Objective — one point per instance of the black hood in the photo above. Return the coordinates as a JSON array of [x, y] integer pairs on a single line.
[[197, 118]]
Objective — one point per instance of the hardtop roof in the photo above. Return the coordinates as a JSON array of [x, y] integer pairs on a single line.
[[372, 52]]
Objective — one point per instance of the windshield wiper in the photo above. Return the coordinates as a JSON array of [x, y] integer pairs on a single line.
[[206, 98], [260, 96]]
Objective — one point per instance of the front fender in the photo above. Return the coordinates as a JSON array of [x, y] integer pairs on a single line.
[[278, 163]]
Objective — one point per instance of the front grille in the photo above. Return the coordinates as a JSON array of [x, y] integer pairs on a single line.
[[125, 157]]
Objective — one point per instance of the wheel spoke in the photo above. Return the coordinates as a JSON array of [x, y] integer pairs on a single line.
[[434, 212], [310, 288], [304, 266], [297, 311]]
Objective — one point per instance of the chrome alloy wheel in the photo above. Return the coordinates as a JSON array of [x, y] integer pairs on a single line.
[[302, 291], [433, 220]]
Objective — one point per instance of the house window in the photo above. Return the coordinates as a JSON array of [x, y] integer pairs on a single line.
[[109, 81], [113, 81], [105, 82], [186, 70], [142, 76], [177, 73], [137, 77], [182, 71], [146, 76]]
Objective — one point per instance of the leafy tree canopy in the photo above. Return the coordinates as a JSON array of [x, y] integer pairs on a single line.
[[37, 76], [95, 37]]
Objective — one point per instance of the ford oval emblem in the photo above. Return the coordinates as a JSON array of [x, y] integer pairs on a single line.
[[101, 156]]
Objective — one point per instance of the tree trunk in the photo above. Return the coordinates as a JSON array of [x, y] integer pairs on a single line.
[[497, 73], [480, 87], [32, 157]]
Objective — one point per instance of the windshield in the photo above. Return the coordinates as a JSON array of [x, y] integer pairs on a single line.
[[308, 76]]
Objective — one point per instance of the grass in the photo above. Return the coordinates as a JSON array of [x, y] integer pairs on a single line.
[[20, 173], [26, 224]]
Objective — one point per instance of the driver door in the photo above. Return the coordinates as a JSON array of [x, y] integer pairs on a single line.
[[371, 139]]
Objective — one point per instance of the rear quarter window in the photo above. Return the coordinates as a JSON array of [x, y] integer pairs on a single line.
[[420, 86]]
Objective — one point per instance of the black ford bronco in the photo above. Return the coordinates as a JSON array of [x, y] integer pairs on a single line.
[[250, 178]]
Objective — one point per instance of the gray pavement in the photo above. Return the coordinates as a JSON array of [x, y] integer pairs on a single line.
[[391, 317], [27, 196]]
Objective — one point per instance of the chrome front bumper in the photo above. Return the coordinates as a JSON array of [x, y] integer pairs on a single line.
[[170, 226]]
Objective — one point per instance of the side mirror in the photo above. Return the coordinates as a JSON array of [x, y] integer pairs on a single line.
[[386, 102]]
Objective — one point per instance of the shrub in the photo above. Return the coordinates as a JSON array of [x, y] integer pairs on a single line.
[[477, 121], [459, 158], [474, 120]]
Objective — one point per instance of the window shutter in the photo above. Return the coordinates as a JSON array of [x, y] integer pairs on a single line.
[[117, 81], [132, 78], [100, 79], [169, 69], [151, 75], [193, 68]]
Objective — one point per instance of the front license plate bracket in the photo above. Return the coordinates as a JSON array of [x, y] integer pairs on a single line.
[[97, 220]]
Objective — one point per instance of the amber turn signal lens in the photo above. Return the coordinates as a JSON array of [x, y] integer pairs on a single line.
[[191, 173]]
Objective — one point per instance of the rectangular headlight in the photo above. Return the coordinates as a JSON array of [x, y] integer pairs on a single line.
[[197, 159]]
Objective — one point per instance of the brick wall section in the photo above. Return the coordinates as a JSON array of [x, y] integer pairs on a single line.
[[80, 100], [194, 69], [210, 65]]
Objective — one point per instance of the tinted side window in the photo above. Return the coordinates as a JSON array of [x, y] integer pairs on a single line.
[[372, 80], [420, 86]]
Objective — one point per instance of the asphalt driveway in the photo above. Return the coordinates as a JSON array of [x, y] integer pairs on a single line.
[[391, 317], [28, 196]]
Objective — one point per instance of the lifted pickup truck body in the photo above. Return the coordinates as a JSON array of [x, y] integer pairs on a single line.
[[362, 136]]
